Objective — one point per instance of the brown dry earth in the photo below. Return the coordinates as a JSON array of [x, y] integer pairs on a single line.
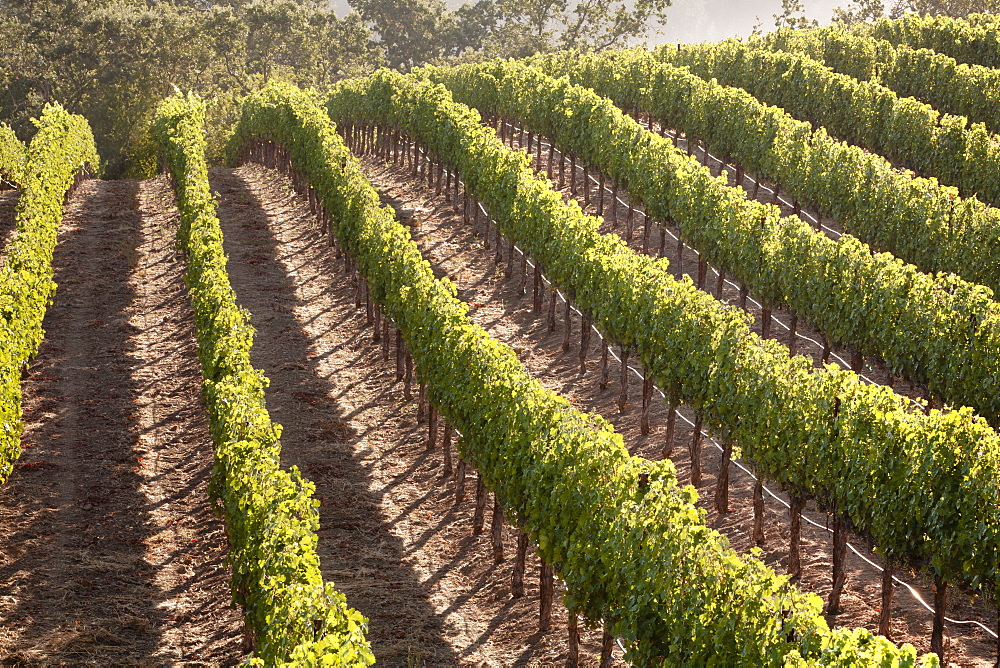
[[109, 554], [8, 203], [391, 536], [454, 250]]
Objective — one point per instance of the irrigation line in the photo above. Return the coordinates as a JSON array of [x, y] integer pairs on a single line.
[[842, 362], [912, 591]]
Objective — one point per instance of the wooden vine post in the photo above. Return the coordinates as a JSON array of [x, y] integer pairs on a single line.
[[694, 450], [517, 576], [722, 483], [497, 530], [885, 614], [623, 394], [758, 512], [546, 590], [797, 502]]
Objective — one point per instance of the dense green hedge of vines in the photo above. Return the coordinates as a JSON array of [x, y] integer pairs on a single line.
[[12, 155], [271, 519], [937, 330], [62, 146], [908, 132], [915, 219], [923, 486], [935, 78], [639, 557], [974, 40]]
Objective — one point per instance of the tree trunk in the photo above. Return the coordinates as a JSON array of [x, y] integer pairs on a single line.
[[573, 655], [647, 399], [793, 341], [399, 355], [497, 530], [607, 647], [446, 445], [432, 427], [584, 342], [537, 289], [460, 482], [668, 437], [604, 364], [480, 514], [553, 298], [569, 326]]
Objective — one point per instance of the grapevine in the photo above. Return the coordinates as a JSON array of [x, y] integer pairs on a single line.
[[54, 161], [636, 555], [819, 432], [271, 518]]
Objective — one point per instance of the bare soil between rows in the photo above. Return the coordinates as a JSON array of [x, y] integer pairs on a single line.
[[456, 250], [391, 537], [109, 553]]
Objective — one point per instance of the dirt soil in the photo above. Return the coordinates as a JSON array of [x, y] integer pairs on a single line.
[[391, 537], [8, 203], [456, 250], [109, 554]]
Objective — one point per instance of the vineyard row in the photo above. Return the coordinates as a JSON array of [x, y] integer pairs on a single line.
[[398, 149], [57, 159], [973, 40], [292, 615], [821, 281], [950, 87], [910, 133], [618, 284], [564, 477]]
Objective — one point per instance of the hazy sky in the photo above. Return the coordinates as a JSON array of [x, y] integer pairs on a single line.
[[711, 20]]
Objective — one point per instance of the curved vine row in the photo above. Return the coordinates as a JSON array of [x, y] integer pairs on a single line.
[[906, 131], [924, 487], [974, 40], [62, 147], [627, 540], [935, 78], [913, 218], [951, 342], [12, 155], [271, 519]]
